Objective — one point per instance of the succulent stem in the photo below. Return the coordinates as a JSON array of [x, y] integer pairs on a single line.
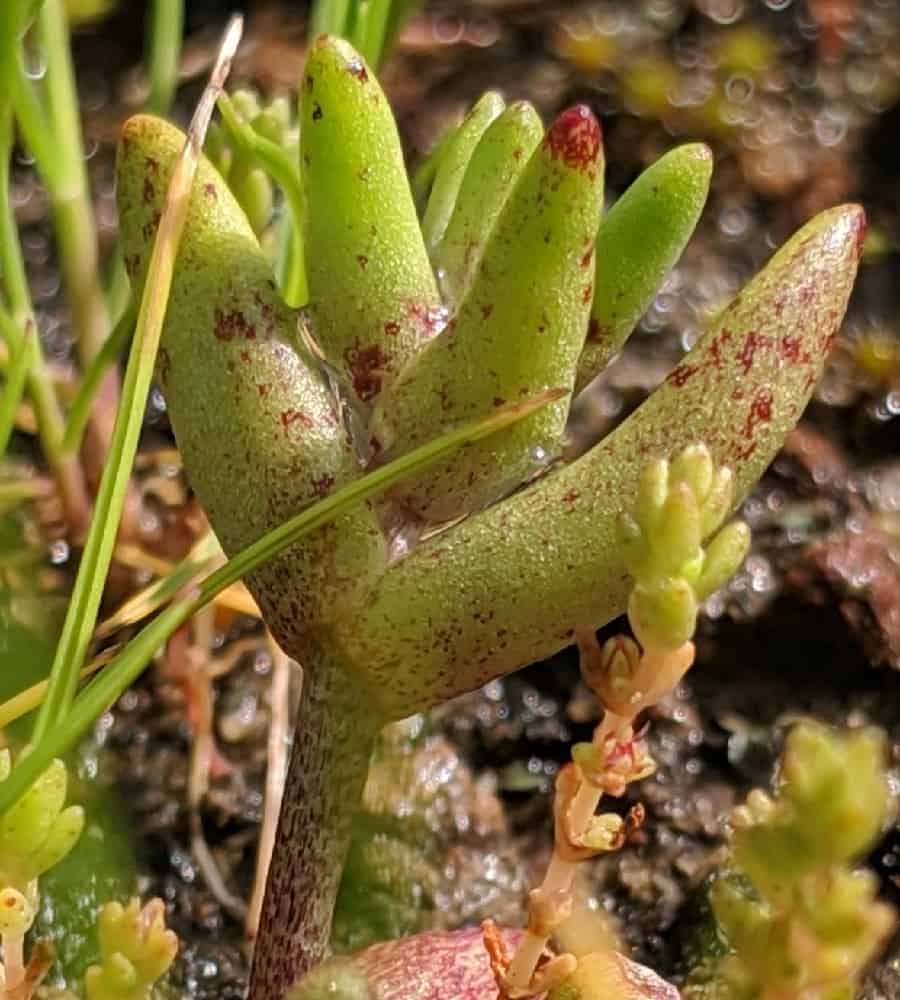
[[336, 730]]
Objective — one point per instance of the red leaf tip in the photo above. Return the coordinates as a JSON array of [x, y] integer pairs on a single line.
[[575, 138]]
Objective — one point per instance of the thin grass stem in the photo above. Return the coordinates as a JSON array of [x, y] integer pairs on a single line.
[[82, 404], [89, 583], [65, 174], [329, 17], [163, 52], [16, 374], [41, 388]]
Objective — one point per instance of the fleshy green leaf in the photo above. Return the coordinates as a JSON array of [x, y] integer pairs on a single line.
[[518, 331], [128, 664], [25, 827], [497, 163], [254, 420], [638, 243], [373, 296], [59, 841], [452, 167]]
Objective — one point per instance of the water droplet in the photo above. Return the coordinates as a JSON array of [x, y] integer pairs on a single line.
[[483, 33], [739, 88], [733, 221], [830, 127], [157, 402], [723, 11], [35, 63], [448, 30], [59, 552]]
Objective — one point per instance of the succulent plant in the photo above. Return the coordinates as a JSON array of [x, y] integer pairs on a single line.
[[801, 921], [35, 834], [136, 949], [490, 560]]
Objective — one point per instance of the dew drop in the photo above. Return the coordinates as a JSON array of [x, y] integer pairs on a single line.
[[59, 552]]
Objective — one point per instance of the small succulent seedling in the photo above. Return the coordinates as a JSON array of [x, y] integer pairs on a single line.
[[136, 950], [800, 919], [511, 285], [36, 834], [676, 507]]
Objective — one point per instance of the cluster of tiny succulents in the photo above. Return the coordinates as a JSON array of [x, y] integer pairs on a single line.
[[36, 834], [493, 278], [136, 950], [801, 920]]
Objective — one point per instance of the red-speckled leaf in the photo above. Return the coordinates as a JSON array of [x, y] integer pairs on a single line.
[[519, 331], [260, 433], [508, 586]]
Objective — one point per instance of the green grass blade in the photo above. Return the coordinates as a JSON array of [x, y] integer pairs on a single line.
[[163, 51], [31, 697], [203, 557], [329, 17], [127, 666], [16, 374], [66, 470], [82, 612], [80, 411], [368, 29]]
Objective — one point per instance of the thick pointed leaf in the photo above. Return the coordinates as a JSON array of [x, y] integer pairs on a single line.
[[373, 296], [260, 433], [496, 164], [509, 585], [519, 331], [638, 243], [452, 167]]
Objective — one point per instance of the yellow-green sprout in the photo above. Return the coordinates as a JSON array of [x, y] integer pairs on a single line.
[[678, 505], [136, 950], [35, 835], [801, 920]]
